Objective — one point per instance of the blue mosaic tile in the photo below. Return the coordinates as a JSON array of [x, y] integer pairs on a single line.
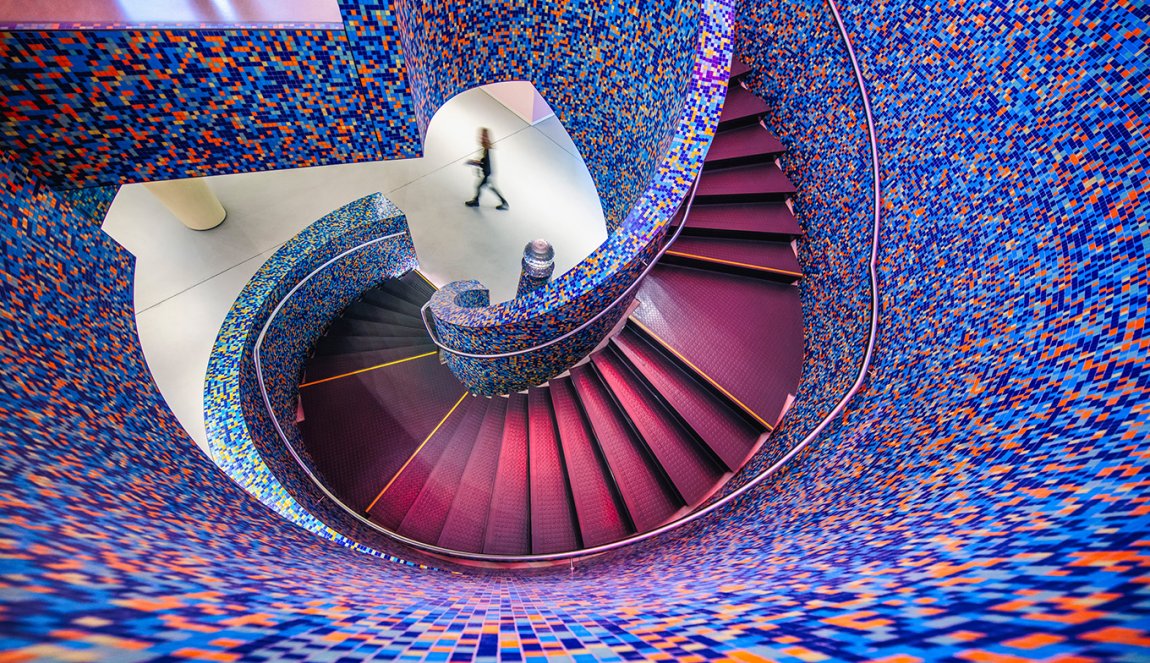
[[985, 497], [107, 107]]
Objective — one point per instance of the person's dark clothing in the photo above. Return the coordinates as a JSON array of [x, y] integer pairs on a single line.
[[484, 165], [485, 162]]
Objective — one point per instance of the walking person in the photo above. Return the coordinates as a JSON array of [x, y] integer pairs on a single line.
[[483, 163]]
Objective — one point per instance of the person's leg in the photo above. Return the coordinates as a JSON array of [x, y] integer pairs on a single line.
[[474, 202], [502, 201]]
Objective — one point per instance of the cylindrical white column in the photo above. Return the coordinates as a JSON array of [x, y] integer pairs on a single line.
[[191, 201]]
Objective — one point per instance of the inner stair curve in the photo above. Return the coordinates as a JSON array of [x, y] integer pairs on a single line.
[[638, 434]]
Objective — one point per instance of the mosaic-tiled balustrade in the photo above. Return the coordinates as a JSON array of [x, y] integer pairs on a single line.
[[588, 288], [289, 302]]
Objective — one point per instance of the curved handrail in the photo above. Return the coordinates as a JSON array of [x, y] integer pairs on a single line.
[[872, 335], [615, 302]]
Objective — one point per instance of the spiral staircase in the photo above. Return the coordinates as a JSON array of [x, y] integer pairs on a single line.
[[637, 434]]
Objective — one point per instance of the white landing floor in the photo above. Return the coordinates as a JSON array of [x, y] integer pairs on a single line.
[[186, 281]]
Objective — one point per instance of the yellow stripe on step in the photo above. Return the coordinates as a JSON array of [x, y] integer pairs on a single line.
[[369, 368], [425, 279], [703, 375], [417, 450]]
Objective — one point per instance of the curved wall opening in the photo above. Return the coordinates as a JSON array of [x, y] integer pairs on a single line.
[[536, 166], [185, 281]]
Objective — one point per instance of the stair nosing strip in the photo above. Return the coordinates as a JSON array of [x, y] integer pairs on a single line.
[[760, 268]]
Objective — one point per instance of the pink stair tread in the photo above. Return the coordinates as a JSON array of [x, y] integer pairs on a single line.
[[320, 368], [740, 105], [743, 142], [728, 435], [745, 334], [593, 491], [425, 518], [776, 257], [509, 524], [692, 473], [761, 179], [359, 441], [553, 527], [738, 67], [743, 219], [467, 521], [648, 501], [394, 502]]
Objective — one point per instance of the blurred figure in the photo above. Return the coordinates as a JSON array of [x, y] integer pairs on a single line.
[[483, 163]]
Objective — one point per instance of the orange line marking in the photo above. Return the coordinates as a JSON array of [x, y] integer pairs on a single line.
[[703, 375], [736, 264], [417, 450], [426, 280], [364, 370]]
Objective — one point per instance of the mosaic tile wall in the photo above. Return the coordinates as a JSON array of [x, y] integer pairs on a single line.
[[91, 108], [616, 73], [241, 437], [382, 70], [604, 275], [984, 499], [111, 106]]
